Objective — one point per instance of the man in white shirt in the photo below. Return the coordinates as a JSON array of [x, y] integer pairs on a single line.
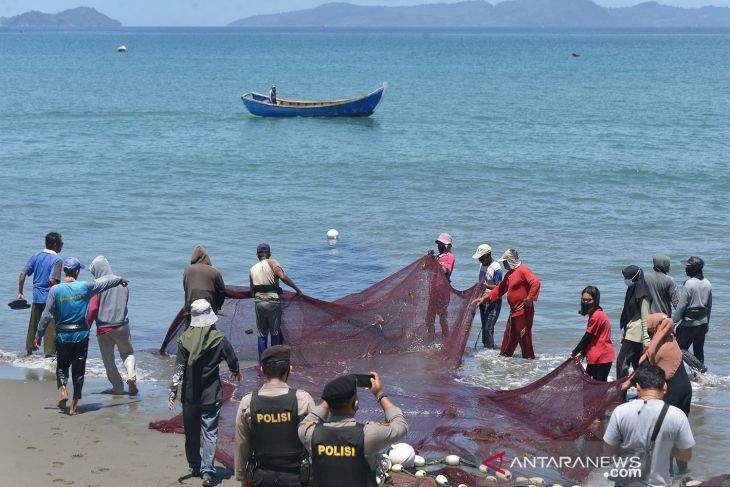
[[631, 426]]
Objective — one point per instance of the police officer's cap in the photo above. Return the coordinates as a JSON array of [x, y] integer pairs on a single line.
[[277, 353], [340, 390]]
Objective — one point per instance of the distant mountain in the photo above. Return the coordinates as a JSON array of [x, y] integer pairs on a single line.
[[75, 17], [514, 14]]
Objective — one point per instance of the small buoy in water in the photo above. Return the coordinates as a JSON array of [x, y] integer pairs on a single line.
[[333, 234], [441, 480], [420, 473], [419, 461], [122, 48], [396, 467], [539, 481], [575, 54], [402, 453], [452, 460]]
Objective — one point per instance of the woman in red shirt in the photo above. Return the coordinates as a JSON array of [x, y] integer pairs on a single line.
[[596, 345]]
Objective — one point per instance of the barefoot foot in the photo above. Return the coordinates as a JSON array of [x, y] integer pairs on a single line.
[[64, 398], [74, 405]]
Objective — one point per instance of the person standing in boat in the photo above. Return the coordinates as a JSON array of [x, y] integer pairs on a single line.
[[272, 95]]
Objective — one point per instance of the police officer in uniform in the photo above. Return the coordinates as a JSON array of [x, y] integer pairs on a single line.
[[343, 451], [268, 450]]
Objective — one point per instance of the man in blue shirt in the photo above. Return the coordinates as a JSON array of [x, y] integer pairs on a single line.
[[68, 302], [45, 267], [490, 274]]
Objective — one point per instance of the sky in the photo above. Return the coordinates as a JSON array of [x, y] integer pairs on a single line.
[[221, 12]]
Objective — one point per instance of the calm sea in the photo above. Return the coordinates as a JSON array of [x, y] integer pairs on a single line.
[[584, 165]]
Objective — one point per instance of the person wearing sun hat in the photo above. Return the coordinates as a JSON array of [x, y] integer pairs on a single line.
[[68, 303], [490, 274], [201, 349], [438, 305], [522, 289]]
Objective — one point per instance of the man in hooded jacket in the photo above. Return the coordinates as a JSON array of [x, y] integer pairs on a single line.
[[203, 281], [109, 310], [662, 288], [201, 349]]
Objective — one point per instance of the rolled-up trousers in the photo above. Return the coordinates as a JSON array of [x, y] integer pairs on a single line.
[[73, 356]]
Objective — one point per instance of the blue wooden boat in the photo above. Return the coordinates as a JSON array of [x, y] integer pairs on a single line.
[[362, 106]]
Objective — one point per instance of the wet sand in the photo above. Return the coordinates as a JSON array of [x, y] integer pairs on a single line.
[[106, 444]]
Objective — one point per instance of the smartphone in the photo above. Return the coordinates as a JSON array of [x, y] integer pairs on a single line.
[[364, 380]]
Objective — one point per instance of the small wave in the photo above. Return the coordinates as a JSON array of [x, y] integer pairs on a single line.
[[94, 366]]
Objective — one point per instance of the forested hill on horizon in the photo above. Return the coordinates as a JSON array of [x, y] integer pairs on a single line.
[[511, 14], [74, 17]]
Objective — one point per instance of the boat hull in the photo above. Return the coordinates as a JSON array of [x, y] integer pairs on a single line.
[[364, 106]]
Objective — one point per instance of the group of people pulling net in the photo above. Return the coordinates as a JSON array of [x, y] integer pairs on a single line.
[[385, 328]]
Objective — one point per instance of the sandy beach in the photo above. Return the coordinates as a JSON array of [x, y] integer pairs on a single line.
[[106, 444]]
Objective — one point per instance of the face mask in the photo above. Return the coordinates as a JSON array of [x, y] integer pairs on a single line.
[[586, 308], [628, 282], [689, 271]]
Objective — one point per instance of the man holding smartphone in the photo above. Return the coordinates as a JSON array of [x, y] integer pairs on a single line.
[[343, 451]]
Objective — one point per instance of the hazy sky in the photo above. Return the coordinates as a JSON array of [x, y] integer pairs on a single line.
[[221, 12]]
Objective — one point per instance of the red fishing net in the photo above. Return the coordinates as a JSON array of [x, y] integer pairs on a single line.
[[412, 327]]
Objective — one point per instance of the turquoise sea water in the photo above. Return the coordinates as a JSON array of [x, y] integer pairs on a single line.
[[584, 165]]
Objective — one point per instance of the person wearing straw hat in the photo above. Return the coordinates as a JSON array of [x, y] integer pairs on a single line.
[[438, 305], [68, 303], [522, 289], [201, 349], [490, 274]]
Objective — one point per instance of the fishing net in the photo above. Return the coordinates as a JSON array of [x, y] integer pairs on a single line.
[[412, 327]]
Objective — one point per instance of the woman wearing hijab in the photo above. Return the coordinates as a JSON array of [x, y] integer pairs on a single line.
[[596, 345], [663, 351], [633, 323]]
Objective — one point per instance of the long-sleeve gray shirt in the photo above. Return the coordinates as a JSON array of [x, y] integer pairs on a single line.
[[696, 296], [377, 435], [73, 310], [663, 291]]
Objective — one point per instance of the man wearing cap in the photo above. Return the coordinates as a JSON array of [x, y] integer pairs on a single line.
[[264, 279], [45, 267], [440, 290], [694, 309], [522, 289], [203, 281], [662, 288], [344, 452], [201, 349], [490, 274], [68, 303], [268, 450]]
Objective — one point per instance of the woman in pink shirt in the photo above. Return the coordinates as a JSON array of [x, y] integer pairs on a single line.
[[441, 288]]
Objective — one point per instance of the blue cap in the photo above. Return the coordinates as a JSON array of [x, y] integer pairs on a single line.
[[72, 264]]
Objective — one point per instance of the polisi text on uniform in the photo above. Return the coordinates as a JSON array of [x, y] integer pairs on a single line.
[[273, 417], [336, 450]]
